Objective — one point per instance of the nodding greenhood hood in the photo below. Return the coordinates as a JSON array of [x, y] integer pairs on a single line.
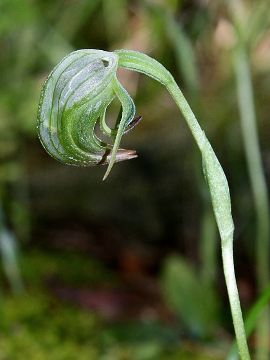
[[74, 100]]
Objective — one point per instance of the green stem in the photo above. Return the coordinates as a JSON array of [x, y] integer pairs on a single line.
[[214, 175], [226, 241], [258, 185], [187, 67], [251, 319]]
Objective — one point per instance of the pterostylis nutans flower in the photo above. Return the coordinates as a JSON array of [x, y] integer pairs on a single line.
[[74, 100]]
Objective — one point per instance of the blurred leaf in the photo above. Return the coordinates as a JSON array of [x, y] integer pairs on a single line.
[[184, 53], [10, 261], [184, 291]]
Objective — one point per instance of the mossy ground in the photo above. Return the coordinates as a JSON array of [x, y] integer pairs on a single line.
[[37, 325]]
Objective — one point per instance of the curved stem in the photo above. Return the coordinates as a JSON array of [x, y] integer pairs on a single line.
[[226, 236], [214, 176]]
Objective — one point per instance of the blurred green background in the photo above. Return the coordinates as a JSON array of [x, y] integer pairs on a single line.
[[130, 268]]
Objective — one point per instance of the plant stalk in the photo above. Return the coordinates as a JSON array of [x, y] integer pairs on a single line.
[[251, 319], [214, 175], [226, 238]]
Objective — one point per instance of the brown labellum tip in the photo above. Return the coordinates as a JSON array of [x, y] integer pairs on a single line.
[[121, 155]]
